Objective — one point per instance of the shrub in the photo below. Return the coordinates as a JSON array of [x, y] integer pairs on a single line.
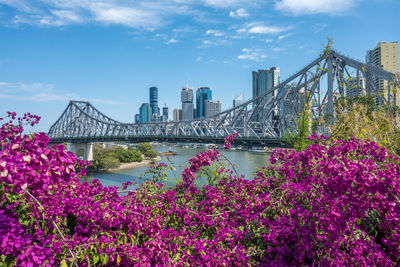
[[151, 154], [143, 147], [108, 161], [334, 203]]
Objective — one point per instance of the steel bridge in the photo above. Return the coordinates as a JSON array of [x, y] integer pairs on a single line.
[[260, 121]]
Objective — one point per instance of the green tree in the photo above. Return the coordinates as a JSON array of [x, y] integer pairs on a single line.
[[151, 154], [108, 162], [136, 155], [143, 147]]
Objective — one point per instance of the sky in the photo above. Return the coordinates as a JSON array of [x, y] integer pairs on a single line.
[[110, 52]]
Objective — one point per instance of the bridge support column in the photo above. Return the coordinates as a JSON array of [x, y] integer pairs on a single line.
[[81, 150]]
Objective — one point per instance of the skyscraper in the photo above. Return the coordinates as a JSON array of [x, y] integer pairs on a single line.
[[187, 94], [165, 112], [357, 87], [385, 56], [187, 103], [212, 107], [137, 118], [145, 113], [177, 114], [263, 80], [154, 101], [202, 94], [237, 100]]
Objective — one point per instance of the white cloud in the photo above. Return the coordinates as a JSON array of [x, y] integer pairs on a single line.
[[319, 27], [40, 92], [239, 13], [172, 41], [268, 41], [261, 28], [67, 15], [281, 37], [252, 54], [128, 16], [267, 29], [185, 29], [206, 43], [223, 3], [216, 33], [142, 14], [299, 7], [20, 5]]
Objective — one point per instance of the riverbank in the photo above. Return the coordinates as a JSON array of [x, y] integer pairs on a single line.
[[133, 165]]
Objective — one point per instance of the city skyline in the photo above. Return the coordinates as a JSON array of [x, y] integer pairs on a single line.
[[111, 53]]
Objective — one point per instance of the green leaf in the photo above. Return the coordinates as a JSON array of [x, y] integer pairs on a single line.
[[63, 264], [96, 259]]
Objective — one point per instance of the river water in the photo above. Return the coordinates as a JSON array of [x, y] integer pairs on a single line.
[[245, 162]]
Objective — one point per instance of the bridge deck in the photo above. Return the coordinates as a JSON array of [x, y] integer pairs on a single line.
[[248, 141]]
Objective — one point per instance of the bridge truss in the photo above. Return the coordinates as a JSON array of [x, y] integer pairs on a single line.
[[267, 117]]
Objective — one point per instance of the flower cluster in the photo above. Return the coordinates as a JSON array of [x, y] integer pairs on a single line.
[[202, 159], [229, 140], [335, 203]]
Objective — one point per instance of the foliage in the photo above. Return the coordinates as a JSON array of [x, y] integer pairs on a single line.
[[151, 154], [143, 147], [108, 161], [147, 150], [305, 125], [359, 118], [111, 157], [334, 203], [128, 155]]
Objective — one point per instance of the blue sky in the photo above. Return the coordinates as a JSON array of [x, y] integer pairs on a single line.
[[111, 52]]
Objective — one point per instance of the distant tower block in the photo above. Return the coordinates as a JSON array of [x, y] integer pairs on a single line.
[[154, 101]]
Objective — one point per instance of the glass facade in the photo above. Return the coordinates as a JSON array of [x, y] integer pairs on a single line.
[[145, 113], [165, 112], [238, 100], [263, 80], [202, 94], [154, 100]]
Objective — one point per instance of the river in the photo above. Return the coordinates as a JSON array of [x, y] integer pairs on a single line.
[[245, 162]]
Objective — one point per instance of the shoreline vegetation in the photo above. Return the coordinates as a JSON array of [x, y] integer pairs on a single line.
[[134, 165], [118, 157]]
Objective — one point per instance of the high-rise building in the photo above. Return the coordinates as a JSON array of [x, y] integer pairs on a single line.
[[137, 118], [154, 101], [177, 114], [165, 112], [264, 80], [187, 103], [187, 111], [202, 94], [356, 87], [187, 94], [237, 100], [292, 104], [145, 113], [385, 56], [212, 107]]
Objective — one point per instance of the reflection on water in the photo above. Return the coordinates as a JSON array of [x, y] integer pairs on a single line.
[[246, 163]]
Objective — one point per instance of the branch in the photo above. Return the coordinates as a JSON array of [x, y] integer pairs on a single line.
[[55, 225], [231, 164]]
